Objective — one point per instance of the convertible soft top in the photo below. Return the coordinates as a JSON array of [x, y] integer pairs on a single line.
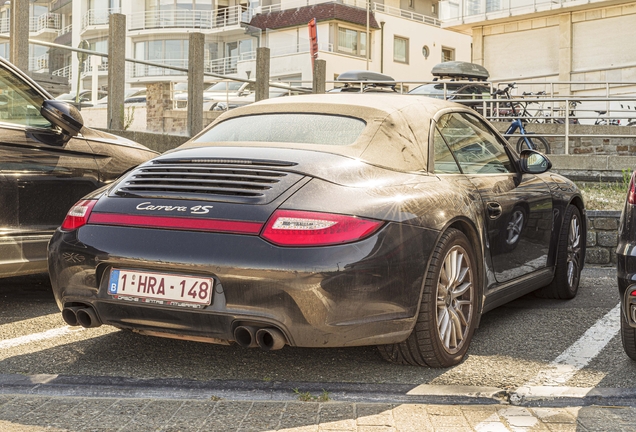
[[395, 136]]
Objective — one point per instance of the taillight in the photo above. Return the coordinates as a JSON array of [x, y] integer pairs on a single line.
[[303, 228], [631, 194], [78, 215]]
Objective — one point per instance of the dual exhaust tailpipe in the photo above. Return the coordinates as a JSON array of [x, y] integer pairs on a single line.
[[84, 316], [267, 339]]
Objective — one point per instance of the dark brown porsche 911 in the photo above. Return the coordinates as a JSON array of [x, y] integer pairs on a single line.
[[324, 221]]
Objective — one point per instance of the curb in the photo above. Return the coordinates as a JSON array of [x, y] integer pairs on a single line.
[[239, 390]]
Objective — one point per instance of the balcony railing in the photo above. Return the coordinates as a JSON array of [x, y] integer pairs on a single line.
[[44, 21], [39, 63], [96, 17], [140, 70], [102, 67], [63, 72], [295, 4], [302, 47], [474, 10], [67, 29], [390, 10], [36, 24], [163, 19]]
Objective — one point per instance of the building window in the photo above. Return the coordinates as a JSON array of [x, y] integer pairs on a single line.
[[412, 4], [173, 52], [448, 54], [400, 49], [352, 42]]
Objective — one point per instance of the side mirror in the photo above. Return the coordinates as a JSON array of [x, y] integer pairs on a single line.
[[534, 162], [63, 115]]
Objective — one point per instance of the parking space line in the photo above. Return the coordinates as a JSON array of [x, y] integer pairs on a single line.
[[581, 352], [35, 337]]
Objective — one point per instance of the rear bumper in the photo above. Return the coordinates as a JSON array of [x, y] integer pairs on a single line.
[[363, 293]]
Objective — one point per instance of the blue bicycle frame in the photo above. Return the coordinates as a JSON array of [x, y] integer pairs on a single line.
[[517, 124]]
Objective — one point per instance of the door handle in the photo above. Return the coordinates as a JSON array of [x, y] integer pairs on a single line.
[[494, 210]]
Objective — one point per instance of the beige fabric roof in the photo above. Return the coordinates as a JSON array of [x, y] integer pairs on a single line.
[[396, 135]]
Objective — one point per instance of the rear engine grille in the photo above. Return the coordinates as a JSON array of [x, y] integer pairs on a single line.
[[207, 182]]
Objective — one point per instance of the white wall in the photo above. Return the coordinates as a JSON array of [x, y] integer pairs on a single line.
[[419, 35], [520, 54], [417, 69], [604, 43]]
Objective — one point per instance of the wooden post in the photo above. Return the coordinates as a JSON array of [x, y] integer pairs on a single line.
[[196, 47], [262, 74], [116, 71], [19, 32], [320, 76]]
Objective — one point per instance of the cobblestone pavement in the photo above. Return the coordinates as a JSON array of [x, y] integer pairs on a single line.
[[38, 413]]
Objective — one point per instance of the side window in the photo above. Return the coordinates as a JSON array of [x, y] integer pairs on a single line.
[[19, 103], [476, 149], [444, 161]]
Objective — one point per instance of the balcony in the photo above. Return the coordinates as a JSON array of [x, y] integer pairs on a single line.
[[412, 16], [39, 64], [185, 19], [45, 23], [63, 72], [142, 71], [455, 12], [97, 18], [65, 30], [48, 21], [295, 4]]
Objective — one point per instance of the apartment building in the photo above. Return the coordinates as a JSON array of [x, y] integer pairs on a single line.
[[578, 41], [405, 38]]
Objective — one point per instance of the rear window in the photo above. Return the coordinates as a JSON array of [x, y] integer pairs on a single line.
[[287, 128]]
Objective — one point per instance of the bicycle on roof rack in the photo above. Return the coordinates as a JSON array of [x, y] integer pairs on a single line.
[[527, 140]]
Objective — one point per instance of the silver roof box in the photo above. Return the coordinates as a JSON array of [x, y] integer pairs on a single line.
[[460, 70]]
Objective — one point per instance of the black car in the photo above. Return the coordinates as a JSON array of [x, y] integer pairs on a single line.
[[324, 221], [626, 270], [48, 160]]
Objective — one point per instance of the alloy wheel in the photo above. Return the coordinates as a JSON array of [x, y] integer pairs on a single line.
[[455, 291], [574, 250]]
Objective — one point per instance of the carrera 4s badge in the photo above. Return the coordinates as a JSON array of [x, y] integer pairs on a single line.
[[148, 206]]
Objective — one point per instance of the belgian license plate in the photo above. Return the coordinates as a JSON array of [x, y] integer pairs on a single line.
[[159, 288]]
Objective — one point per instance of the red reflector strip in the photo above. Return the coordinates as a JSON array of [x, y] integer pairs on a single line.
[[177, 223]]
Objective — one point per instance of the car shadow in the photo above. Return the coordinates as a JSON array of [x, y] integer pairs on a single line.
[[25, 297]]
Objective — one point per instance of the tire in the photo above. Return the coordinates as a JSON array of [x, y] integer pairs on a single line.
[[430, 344], [569, 259], [628, 336], [539, 144]]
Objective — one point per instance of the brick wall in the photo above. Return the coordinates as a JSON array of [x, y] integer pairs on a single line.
[[602, 236], [598, 140]]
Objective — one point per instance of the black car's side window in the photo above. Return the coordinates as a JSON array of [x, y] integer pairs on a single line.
[[445, 163], [19, 102], [476, 149]]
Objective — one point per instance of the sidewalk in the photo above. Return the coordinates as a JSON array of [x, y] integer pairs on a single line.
[[38, 413]]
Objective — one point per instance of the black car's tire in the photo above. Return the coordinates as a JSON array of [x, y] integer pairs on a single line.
[[628, 337], [538, 143], [569, 259], [450, 298]]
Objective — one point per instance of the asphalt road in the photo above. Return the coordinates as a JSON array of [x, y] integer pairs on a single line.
[[514, 345]]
